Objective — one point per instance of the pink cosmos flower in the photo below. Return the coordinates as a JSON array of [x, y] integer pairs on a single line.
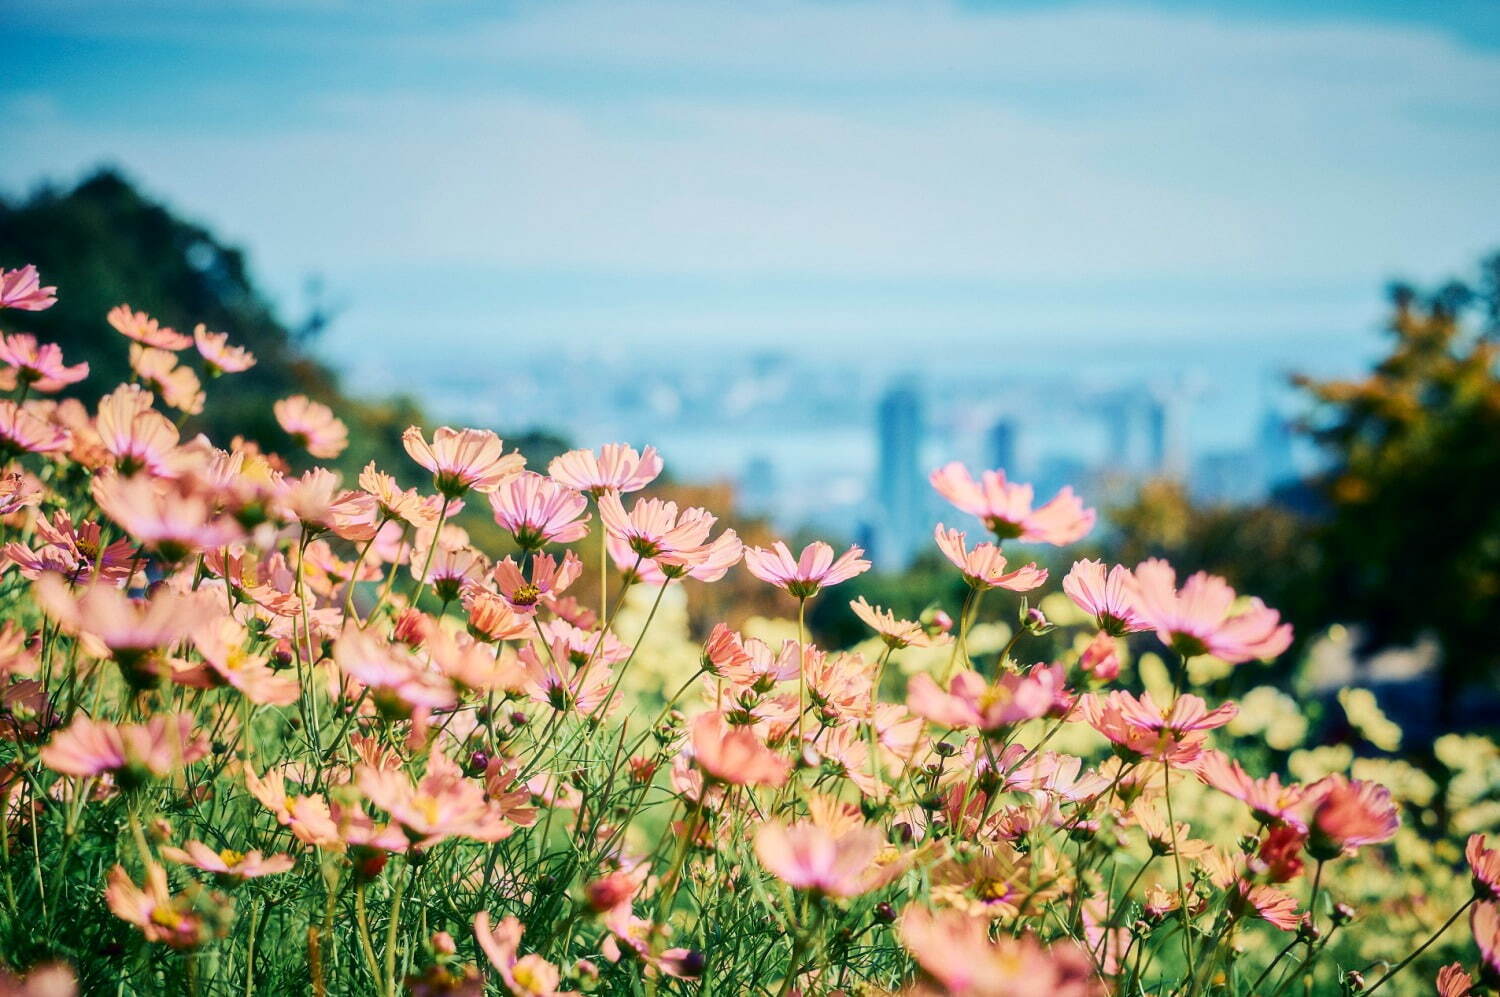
[[1484, 867], [809, 857], [52, 979], [405, 504], [172, 518], [491, 617], [460, 459], [39, 365], [1101, 658], [1484, 921], [222, 644], [896, 633], [160, 916], [156, 748], [556, 679], [524, 976], [1107, 597], [175, 382], [1272, 905], [146, 330], [990, 707], [548, 577], [130, 628], [984, 566], [73, 552], [312, 425], [1200, 618], [955, 952], [1269, 801], [308, 817], [1140, 728], [736, 756], [442, 805], [536, 511], [653, 528], [1348, 814], [1452, 981], [396, 678], [220, 357], [228, 862], [18, 491], [804, 577], [21, 289], [23, 432], [1006, 509], [616, 468], [134, 433]]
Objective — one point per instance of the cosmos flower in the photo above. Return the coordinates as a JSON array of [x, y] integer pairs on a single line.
[[1271, 905], [616, 468], [405, 504], [218, 355], [973, 702], [1141, 729], [222, 644], [536, 511], [156, 748], [175, 382], [1200, 618], [308, 817], [21, 289], [74, 552], [492, 617], [395, 677], [39, 365], [130, 628], [1484, 867], [312, 426], [653, 528], [956, 953], [441, 805], [135, 434], [1347, 814], [1006, 508], [524, 976], [172, 518], [146, 330], [1269, 801], [228, 862], [1101, 657], [1484, 921], [1452, 981], [23, 432], [1107, 597], [809, 857], [896, 633], [984, 566], [807, 575], [171, 920], [461, 459], [548, 577], [736, 756]]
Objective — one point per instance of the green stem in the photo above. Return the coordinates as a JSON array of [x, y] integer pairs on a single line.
[[1435, 936]]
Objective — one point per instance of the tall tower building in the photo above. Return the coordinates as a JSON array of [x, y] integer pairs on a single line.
[[1000, 449], [899, 485]]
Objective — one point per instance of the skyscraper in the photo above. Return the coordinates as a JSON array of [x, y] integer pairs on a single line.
[[899, 485]]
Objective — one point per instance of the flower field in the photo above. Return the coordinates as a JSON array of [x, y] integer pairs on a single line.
[[278, 732]]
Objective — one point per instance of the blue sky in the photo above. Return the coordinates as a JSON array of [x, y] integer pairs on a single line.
[[901, 178]]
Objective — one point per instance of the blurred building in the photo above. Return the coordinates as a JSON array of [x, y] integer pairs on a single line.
[[900, 486]]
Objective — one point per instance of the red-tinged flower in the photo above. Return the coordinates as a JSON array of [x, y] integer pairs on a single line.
[[1272, 905], [443, 804], [809, 857], [723, 651], [220, 357], [144, 329], [227, 862], [39, 365], [135, 434], [1139, 728], [1109, 597], [1484, 921], [549, 577], [984, 566], [1101, 658], [222, 644], [807, 575], [536, 511], [1200, 618], [177, 383], [405, 504], [461, 459], [615, 889], [312, 426], [1484, 867], [21, 289], [1006, 509], [308, 817], [135, 752], [473, 665], [397, 679], [736, 756], [958, 957], [491, 617], [1269, 801], [509, 795], [180, 922], [1279, 857], [73, 552], [15, 656], [172, 518], [1453, 981], [1348, 814], [524, 976], [23, 432], [989, 707], [616, 468], [637, 934], [896, 633]]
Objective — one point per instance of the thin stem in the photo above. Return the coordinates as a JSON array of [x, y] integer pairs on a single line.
[[1435, 936]]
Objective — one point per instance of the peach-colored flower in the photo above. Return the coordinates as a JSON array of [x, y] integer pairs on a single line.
[[536, 511], [408, 505], [222, 644], [172, 518], [73, 552], [23, 432], [805, 576], [473, 665], [21, 289], [312, 426], [896, 633], [173, 921], [228, 862], [1109, 597], [736, 756], [524, 976], [1484, 921], [1200, 617], [134, 433], [18, 491], [128, 627], [1141, 729], [52, 979], [809, 857], [555, 678], [1272, 905], [1347, 814], [175, 382], [616, 468], [395, 677], [653, 528], [990, 707], [984, 566], [1484, 868], [91, 747], [39, 365], [491, 617], [1101, 657], [218, 355], [957, 957], [1006, 509], [548, 577], [1269, 801], [144, 329], [461, 459], [1453, 981], [441, 805], [307, 817]]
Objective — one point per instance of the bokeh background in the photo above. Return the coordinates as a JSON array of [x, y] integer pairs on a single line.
[[1226, 268]]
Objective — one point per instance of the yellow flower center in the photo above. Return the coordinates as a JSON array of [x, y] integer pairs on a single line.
[[231, 857]]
